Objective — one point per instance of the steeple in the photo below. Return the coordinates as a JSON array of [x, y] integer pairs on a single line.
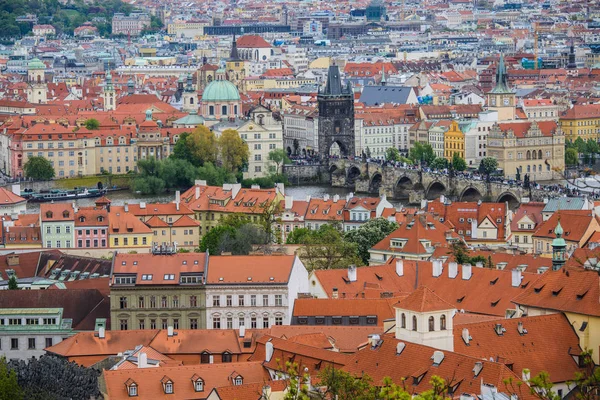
[[558, 248], [383, 81], [189, 85], [108, 87], [233, 55], [572, 64], [130, 87], [501, 78], [109, 95], [334, 86]]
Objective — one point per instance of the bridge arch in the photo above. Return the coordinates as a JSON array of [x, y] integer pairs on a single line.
[[470, 193], [403, 185], [435, 189], [375, 183], [352, 175], [510, 198]]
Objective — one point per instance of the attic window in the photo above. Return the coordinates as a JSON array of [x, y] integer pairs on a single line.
[[49, 214], [124, 263], [581, 295], [198, 383], [131, 388], [538, 289], [495, 303], [459, 300], [494, 281], [556, 292], [65, 214], [238, 381]]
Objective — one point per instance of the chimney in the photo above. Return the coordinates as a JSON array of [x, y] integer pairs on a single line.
[[400, 347], [334, 295], [143, 360], [101, 333], [467, 271], [325, 197], [520, 328], [280, 187], [438, 357], [442, 199], [255, 187], [242, 331], [289, 202], [211, 359], [478, 367], [349, 196], [197, 192], [177, 199], [308, 198], [465, 336], [170, 331], [498, 329], [75, 209], [437, 267], [399, 267], [268, 351], [479, 264], [516, 278], [199, 182], [336, 198], [452, 270], [143, 205], [352, 273], [126, 207], [16, 189]]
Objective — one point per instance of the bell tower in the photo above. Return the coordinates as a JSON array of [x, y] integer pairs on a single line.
[[37, 91], [190, 99], [501, 98], [236, 68], [336, 115], [109, 95], [559, 247]]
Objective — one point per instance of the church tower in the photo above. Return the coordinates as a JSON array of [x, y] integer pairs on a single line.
[[572, 64], [559, 247], [109, 95], [236, 68], [501, 98], [190, 99], [336, 115], [37, 90]]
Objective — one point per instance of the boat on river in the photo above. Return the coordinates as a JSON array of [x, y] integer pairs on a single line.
[[61, 195]]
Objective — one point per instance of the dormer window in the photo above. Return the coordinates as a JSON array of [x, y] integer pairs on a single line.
[[49, 214], [238, 381], [131, 386], [65, 214], [81, 219], [167, 384], [198, 383], [100, 218]]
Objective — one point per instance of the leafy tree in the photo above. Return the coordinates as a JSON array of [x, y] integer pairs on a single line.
[[422, 153], [39, 168], [571, 157], [148, 185], [327, 249], [234, 151], [488, 166], [198, 147], [592, 147], [458, 163], [392, 154], [91, 124], [176, 173], [211, 241], [369, 234], [580, 145], [215, 176], [9, 386], [296, 383], [279, 157], [299, 236], [240, 241], [342, 385], [439, 163], [236, 220], [12, 283]]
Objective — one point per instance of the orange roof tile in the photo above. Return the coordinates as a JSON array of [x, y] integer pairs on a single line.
[[271, 269], [159, 266], [7, 197], [423, 300]]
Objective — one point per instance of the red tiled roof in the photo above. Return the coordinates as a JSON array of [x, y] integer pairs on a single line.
[[252, 41], [423, 300], [158, 266], [382, 308], [227, 270], [7, 197], [575, 223]]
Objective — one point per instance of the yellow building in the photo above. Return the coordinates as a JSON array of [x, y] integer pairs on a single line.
[[581, 121], [126, 230], [454, 142], [185, 232]]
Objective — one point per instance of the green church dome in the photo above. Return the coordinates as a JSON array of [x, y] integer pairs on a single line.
[[36, 64], [220, 90]]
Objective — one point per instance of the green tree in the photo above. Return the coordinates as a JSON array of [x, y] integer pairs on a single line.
[[342, 385], [240, 241], [422, 153], [91, 124], [580, 145], [9, 386], [198, 147], [278, 157], [439, 163], [215, 176], [571, 157], [176, 173], [12, 283], [488, 165], [460, 252], [234, 151], [299, 236], [327, 249], [392, 154], [297, 388], [211, 241], [592, 147], [38, 168], [458, 163], [369, 234]]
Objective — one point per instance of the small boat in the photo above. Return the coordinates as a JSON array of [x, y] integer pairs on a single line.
[[62, 195]]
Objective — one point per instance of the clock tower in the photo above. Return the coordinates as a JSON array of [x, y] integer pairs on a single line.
[[501, 98]]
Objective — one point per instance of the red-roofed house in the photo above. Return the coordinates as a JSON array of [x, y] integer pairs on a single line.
[[254, 47]]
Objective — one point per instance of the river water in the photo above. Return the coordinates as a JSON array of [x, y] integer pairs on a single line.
[[124, 196]]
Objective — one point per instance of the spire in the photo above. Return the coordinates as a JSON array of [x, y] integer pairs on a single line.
[[334, 82], [559, 247], [501, 78], [109, 84], [189, 85], [572, 64], [130, 87], [383, 81], [233, 55]]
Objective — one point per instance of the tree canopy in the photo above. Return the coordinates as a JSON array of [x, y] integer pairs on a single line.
[[9, 386], [326, 248], [422, 152], [392, 154], [198, 147], [278, 157], [91, 124], [234, 151], [369, 234], [458, 163], [488, 165], [38, 168]]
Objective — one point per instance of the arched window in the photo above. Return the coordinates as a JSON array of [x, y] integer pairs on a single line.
[[443, 322], [414, 326], [223, 110], [191, 100], [534, 155], [403, 321], [235, 110], [534, 166], [528, 154], [431, 324]]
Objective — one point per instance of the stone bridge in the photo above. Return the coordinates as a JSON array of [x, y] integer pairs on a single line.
[[410, 185]]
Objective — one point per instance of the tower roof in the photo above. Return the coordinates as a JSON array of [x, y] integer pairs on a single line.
[[423, 300], [36, 63], [220, 90], [559, 241], [233, 55], [501, 78], [334, 86]]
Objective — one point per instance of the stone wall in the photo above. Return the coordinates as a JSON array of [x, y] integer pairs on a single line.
[[307, 174]]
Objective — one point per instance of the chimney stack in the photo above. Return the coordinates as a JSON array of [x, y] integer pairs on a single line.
[[520, 328], [336, 198], [334, 294], [289, 202], [352, 273], [142, 360], [101, 333], [452, 270], [177, 199], [399, 267], [325, 197], [126, 207], [516, 277], [479, 264], [465, 336], [16, 189], [438, 268], [197, 192], [242, 331], [170, 331], [467, 271]]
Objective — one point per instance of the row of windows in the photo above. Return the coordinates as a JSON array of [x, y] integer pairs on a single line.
[[241, 300], [151, 302], [228, 322], [431, 323], [50, 145], [31, 343], [126, 241], [58, 244]]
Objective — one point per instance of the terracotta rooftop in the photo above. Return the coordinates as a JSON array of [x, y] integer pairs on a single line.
[[423, 300]]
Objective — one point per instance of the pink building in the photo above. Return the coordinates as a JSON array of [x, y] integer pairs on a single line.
[[91, 227]]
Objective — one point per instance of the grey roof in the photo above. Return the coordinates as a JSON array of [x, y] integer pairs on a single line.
[[375, 95], [564, 203]]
